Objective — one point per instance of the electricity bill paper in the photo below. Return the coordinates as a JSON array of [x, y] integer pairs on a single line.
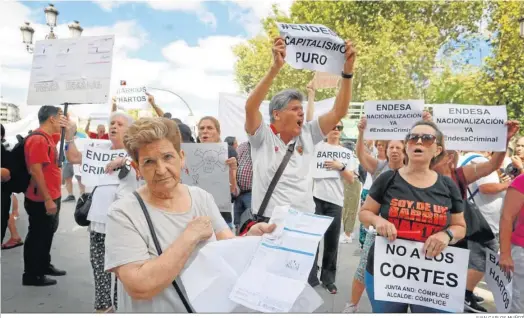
[[277, 273]]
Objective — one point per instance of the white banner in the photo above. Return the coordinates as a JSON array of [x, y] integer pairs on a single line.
[[128, 98], [391, 119], [232, 113], [206, 168], [404, 274], [313, 47], [94, 162], [325, 152], [499, 282], [471, 127], [74, 70]]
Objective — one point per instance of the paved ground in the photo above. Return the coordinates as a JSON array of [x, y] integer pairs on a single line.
[[74, 292]]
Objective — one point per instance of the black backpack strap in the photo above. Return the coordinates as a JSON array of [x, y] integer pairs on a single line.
[[159, 249], [274, 181], [37, 133]]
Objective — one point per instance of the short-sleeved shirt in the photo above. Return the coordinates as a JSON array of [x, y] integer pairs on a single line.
[[129, 240], [332, 189], [490, 205], [517, 237], [295, 187], [42, 149], [409, 208], [93, 135]]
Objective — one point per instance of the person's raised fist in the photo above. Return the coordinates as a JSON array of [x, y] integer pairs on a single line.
[[279, 52]]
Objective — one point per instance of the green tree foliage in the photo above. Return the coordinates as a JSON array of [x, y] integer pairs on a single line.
[[397, 42], [502, 81]]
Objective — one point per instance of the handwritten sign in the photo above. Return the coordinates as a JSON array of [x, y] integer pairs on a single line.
[[324, 152], [313, 47], [128, 98], [74, 70], [94, 162], [205, 167], [391, 119], [403, 274], [472, 128], [499, 282], [325, 80]]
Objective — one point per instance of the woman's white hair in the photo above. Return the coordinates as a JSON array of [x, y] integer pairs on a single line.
[[122, 114]]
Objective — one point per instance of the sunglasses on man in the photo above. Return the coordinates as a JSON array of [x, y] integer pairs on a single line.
[[338, 127]]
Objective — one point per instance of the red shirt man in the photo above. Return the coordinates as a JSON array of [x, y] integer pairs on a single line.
[[42, 150], [100, 132]]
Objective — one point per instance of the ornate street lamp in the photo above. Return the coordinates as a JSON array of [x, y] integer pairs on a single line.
[[27, 36], [51, 15], [75, 29], [521, 22]]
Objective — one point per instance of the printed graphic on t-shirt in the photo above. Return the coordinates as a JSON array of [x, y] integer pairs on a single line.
[[419, 219]]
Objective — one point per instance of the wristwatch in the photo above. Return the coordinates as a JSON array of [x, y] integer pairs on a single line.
[[343, 167], [345, 75], [450, 234]]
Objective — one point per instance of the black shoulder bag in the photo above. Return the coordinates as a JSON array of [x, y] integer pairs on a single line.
[[83, 205], [247, 219], [159, 249]]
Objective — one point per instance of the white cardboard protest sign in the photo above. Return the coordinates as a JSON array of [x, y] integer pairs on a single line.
[[128, 98], [94, 161], [471, 127], [313, 47], [74, 70], [404, 274], [499, 282], [206, 168], [391, 119], [325, 80], [325, 152]]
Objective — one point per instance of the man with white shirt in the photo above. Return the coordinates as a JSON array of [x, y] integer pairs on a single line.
[[269, 143], [488, 194], [332, 166]]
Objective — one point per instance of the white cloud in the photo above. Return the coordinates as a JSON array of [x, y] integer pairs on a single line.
[[197, 73], [195, 6], [213, 53]]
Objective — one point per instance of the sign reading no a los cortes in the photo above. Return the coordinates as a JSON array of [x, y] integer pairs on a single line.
[[313, 47], [472, 128], [403, 274]]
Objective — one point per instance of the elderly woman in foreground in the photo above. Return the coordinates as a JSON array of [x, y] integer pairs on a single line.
[[183, 217]]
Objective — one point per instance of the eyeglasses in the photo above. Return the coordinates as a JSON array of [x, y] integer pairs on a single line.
[[339, 127], [427, 139]]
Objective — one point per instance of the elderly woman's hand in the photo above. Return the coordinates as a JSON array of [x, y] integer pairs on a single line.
[[115, 164], [70, 128], [435, 244], [199, 229], [260, 229]]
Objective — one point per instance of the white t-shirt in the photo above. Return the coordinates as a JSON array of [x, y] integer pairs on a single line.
[[129, 240], [105, 195], [332, 189], [490, 205], [295, 187]]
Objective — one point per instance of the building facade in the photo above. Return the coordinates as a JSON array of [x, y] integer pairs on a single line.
[[9, 113]]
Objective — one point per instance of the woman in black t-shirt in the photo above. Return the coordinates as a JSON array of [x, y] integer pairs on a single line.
[[414, 203]]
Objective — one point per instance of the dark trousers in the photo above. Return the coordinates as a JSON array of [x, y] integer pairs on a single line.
[[42, 228], [6, 206], [242, 203], [329, 258]]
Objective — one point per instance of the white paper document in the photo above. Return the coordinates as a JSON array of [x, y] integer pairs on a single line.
[[277, 274], [212, 273]]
